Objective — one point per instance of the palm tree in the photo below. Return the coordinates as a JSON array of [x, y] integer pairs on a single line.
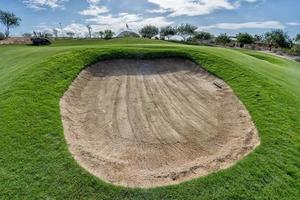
[[89, 27], [9, 20]]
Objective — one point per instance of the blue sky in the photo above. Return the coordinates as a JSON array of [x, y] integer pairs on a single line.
[[216, 16]]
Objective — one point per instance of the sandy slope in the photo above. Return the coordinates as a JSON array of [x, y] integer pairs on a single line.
[[149, 123]]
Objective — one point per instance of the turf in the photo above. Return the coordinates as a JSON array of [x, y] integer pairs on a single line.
[[34, 159]]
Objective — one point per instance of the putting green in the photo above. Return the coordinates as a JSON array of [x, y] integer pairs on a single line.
[[35, 162]]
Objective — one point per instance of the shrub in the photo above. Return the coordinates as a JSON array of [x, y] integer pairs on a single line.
[[244, 38], [108, 34], [202, 36], [223, 39], [149, 31], [278, 38], [296, 50]]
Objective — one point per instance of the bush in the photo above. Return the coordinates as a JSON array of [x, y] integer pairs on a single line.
[[202, 37], [296, 50], [37, 41], [108, 34], [278, 38], [244, 38], [2, 36], [223, 39], [149, 31]]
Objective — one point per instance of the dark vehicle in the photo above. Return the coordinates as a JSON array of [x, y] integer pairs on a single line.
[[40, 41]]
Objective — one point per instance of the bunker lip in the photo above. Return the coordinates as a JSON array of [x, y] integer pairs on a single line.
[[149, 123]]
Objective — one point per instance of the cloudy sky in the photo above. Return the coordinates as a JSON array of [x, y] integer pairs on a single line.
[[216, 16]]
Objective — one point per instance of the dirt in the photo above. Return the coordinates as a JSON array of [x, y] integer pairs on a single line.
[[282, 55], [148, 123], [16, 40]]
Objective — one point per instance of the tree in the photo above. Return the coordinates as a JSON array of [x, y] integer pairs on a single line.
[[186, 30], [297, 38], [108, 34], [9, 20], [258, 38], [101, 34], [223, 39], [244, 38], [167, 31], [55, 32], [278, 38], [89, 27], [70, 34], [149, 31], [202, 36]]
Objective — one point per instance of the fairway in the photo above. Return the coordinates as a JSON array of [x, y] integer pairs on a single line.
[[35, 161]]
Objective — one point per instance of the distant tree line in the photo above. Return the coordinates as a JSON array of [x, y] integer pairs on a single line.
[[276, 38], [189, 33]]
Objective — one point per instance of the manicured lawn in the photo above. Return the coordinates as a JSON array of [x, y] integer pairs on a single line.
[[34, 159]]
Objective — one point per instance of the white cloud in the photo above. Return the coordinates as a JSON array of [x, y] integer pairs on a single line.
[[246, 25], [158, 11], [251, 1], [195, 7], [42, 4], [192, 7], [293, 23], [94, 9], [238, 3], [93, 1], [79, 29]]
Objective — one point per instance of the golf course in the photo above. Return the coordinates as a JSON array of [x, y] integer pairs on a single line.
[[38, 119]]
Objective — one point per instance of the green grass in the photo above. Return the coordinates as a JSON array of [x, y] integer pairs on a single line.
[[34, 159]]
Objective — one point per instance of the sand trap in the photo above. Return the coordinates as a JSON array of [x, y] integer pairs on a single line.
[[147, 123]]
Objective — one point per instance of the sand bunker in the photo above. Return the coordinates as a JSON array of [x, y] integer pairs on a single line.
[[147, 123]]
